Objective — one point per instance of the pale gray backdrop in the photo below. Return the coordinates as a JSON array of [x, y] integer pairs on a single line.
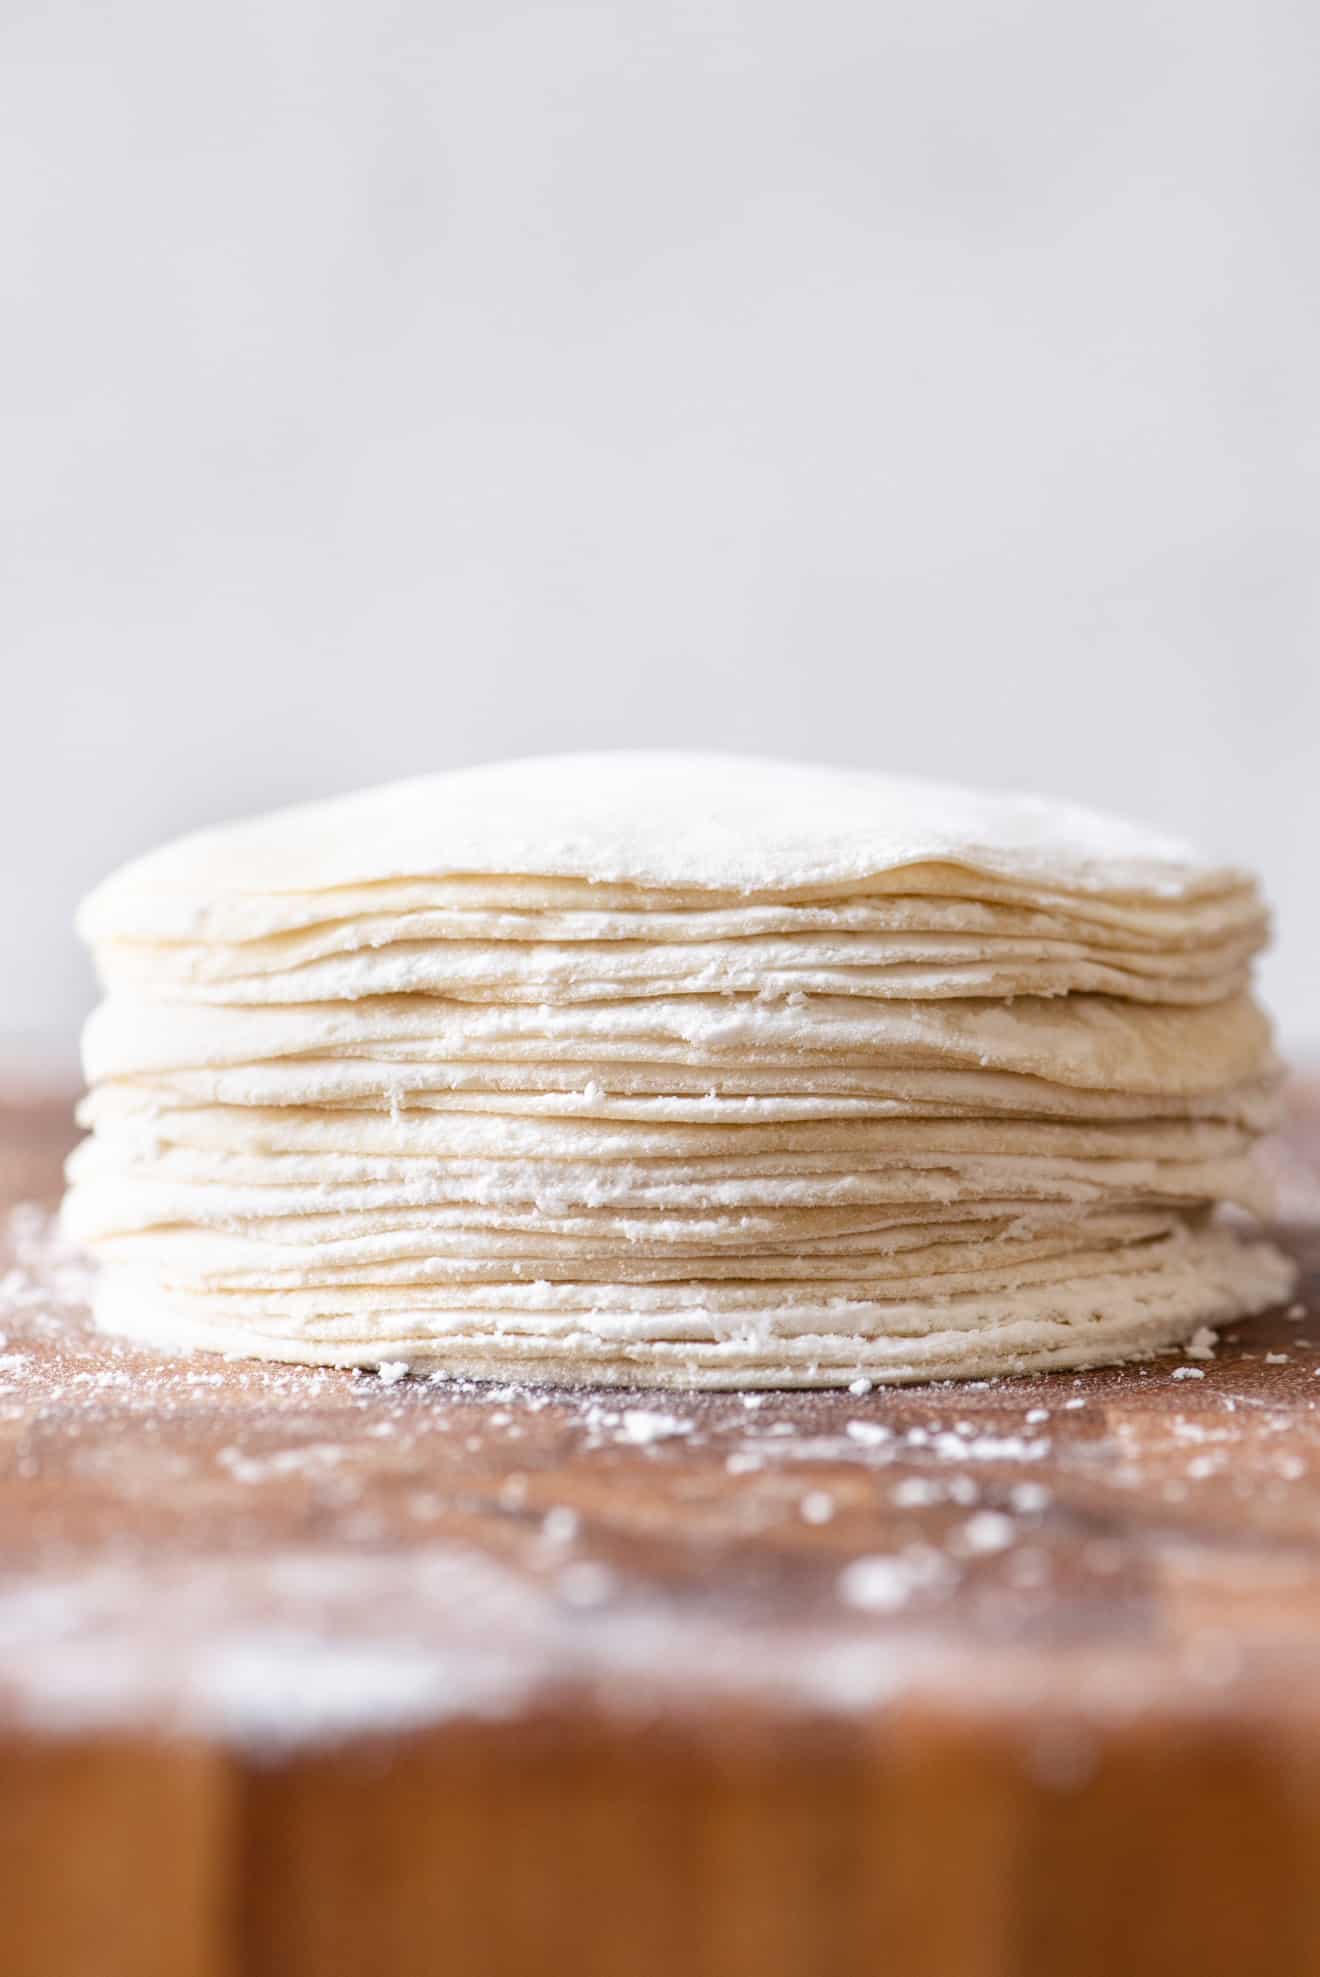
[[387, 386]]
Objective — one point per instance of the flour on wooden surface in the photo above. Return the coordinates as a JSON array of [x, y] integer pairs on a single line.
[[335, 1554]]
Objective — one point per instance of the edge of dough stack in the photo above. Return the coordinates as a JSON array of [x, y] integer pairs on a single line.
[[680, 1070]]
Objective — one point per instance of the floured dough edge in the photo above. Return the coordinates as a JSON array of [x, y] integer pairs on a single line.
[[1214, 1279], [689, 823]]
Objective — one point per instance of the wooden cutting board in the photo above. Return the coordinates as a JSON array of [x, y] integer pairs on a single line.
[[316, 1674]]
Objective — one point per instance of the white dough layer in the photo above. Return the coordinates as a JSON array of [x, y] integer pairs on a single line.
[[676, 1069]]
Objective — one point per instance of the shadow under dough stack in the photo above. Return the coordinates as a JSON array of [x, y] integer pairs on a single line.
[[680, 1070]]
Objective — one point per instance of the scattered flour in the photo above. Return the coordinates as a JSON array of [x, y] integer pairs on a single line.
[[368, 1633], [868, 1433], [641, 1426], [883, 1583], [560, 1526], [1202, 1343], [989, 1530]]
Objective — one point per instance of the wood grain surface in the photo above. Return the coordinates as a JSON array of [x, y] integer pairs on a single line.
[[324, 1674]]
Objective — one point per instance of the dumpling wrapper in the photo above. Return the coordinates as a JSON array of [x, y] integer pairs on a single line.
[[676, 1069], [1091, 1041], [689, 826], [1203, 1278]]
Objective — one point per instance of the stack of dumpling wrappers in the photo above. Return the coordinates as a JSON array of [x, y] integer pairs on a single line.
[[683, 1070]]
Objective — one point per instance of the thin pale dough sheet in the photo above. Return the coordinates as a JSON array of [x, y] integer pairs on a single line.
[[1233, 929], [645, 1090], [1205, 1279], [427, 1134], [124, 911], [686, 825], [469, 980], [167, 1192], [1091, 1041]]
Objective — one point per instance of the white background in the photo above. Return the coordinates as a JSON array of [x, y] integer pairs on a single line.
[[385, 386]]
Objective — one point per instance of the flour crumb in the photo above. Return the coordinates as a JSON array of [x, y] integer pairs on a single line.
[[989, 1530], [641, 1426], [585, 1583], [883, 1583], [817, 1507], [1202, 1343], [391, 1371], [870, 1433], [560, 1526]]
